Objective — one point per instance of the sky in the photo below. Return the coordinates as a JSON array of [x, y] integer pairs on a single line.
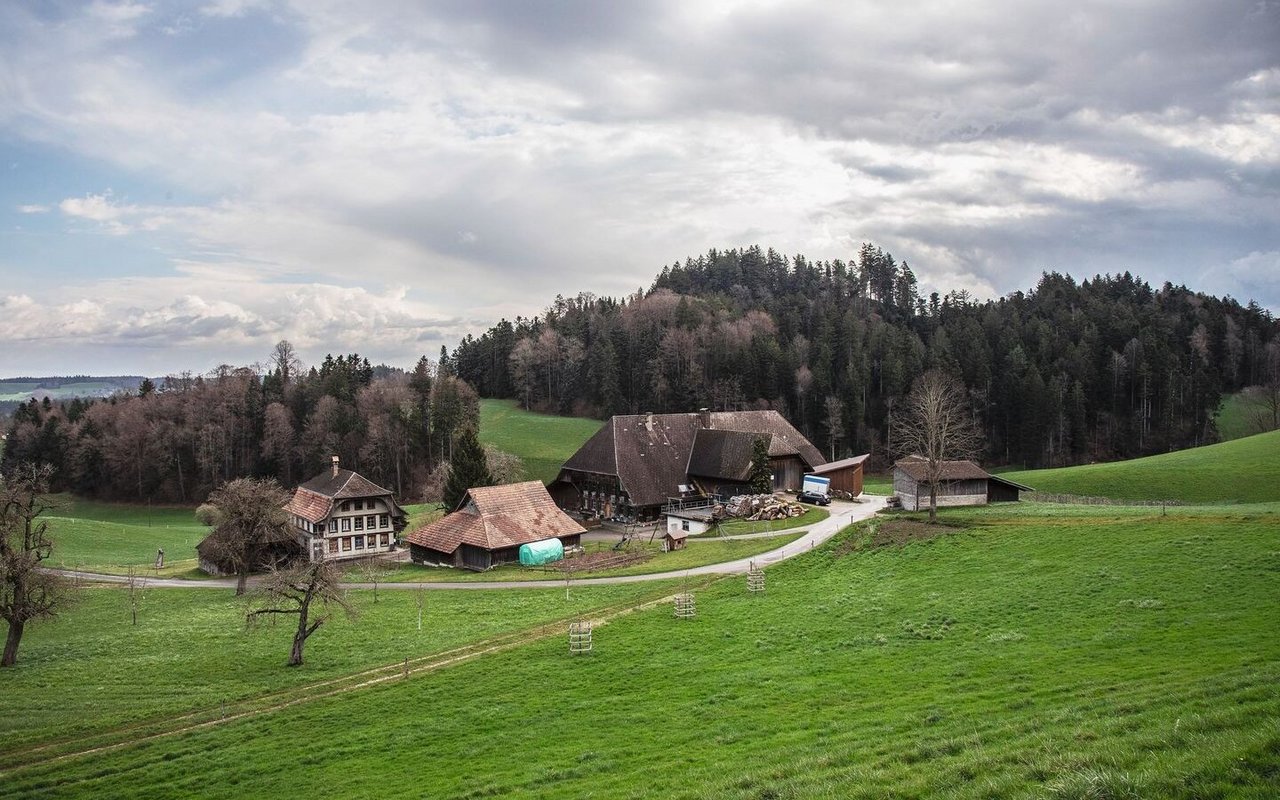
[[183, 184]]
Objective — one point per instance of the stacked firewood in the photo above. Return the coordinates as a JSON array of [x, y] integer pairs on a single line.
[[761, 507]]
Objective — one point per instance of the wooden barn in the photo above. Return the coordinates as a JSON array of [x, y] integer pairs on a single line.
[[845, 475], [490, 527], [635, 463], [962, 483]]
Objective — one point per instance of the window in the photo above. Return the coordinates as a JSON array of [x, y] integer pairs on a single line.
[[333, 526], [346, 506], [359, 523], [371, 522], [346, 524], [384, 521], [346, 543], [359, 542], [684, 524], [333, 545], [357, 505], [382, 539]]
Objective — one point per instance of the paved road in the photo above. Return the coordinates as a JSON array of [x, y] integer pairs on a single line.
[[841, 515]]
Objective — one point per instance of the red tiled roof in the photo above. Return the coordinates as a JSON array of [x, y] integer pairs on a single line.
[[309, 505], [498, 517]]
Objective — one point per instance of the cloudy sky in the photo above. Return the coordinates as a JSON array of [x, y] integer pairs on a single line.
[[184, 184]]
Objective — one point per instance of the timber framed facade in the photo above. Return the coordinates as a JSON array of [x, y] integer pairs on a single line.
[[340, 514]]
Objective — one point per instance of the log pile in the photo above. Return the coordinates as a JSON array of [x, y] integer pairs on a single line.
[[761, 507]]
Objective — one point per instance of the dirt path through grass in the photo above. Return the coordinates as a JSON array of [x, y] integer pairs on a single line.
[[132, 734]]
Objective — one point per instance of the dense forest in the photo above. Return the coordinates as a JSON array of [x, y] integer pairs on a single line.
[[178, 440], [1067, 372]]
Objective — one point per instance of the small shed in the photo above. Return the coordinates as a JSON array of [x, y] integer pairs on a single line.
[[690, 520], [845, 475], [1003, 490], [961, 483], [674, 540]]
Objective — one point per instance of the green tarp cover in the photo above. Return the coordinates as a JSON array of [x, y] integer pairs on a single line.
[[543, 552]]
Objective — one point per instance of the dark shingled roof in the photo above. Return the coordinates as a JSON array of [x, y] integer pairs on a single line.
[[652, 454], [915, 467], [722, 454], [836, 466], [343, 484], [495, 517]]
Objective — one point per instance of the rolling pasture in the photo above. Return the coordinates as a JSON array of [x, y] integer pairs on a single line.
[[1242, 470], [1031, 650], [544, 442]]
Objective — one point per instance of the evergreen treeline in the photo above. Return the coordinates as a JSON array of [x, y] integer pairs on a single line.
[[181, 439], [1068, 372]]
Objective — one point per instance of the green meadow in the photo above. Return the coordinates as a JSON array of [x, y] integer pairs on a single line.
[[1021, 651], [544, 442], [1242, 470], [111, 537]]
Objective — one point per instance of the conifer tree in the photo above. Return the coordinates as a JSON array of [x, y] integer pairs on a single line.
[[760, 477], [467, 469]]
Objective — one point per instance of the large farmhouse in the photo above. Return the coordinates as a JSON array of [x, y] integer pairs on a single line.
[[636, 462], [962, 483], [490, 527], [341, 514]]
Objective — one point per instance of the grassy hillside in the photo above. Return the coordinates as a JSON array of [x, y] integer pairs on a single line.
[[89, 533], [1244, 470], [543, 441], [1025, 654]]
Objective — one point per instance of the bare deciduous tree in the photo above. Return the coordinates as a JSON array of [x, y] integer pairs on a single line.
[[294, 591], [135, 583], [26, 592], [251, 529], [935, 423]]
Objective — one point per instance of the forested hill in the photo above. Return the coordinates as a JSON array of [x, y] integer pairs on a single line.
[[1064, 373]]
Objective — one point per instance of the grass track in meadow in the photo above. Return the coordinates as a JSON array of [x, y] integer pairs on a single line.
[[1022, 654]]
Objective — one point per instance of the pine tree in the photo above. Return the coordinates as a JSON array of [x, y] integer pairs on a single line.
[[760, 477], [467, 469]]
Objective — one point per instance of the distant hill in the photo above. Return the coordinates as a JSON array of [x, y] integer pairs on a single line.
[[1243, 470], [14, 391]]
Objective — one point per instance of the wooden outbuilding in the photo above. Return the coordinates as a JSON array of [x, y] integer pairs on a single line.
[[962, 483], [674, 540], [490, 527], [845, 475]]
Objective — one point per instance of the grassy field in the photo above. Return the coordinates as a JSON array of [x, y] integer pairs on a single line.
[[543, 441], [109, 537], [1244, 471], [696, 554], [90, 670], [1034, 653]]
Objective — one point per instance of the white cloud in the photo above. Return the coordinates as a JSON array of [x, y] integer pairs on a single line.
[[33, 208]]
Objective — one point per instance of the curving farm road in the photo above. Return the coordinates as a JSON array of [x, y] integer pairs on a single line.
[[842, 513]]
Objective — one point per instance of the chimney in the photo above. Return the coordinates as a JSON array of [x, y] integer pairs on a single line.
[[335, 466], [704, 418]]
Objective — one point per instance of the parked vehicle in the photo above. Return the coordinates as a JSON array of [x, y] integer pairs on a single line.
[[814, 499]]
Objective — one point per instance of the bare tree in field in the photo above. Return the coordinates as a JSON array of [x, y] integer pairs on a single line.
[[295, 591], [251, 530], [135, 584], [26, 592], [936, 423]]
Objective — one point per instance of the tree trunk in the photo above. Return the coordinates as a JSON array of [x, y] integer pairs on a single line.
[[299, 639], [242, 580], [933, 502], [11, 644]]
